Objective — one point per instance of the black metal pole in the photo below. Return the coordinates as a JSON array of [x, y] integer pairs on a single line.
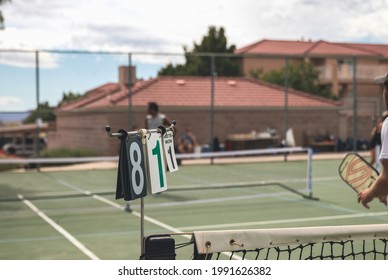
[[130, 84], [212, 80], [285, 104], [212, 75], [355, 105], [285, 98], [37, 116]]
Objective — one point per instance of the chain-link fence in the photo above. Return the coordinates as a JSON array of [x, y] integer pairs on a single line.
[[224, 111]]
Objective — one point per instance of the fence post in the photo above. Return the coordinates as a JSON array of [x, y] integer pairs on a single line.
[[285, 103], [212, 76], [355, 105], [130, 91], [285, 96], [37, 116]]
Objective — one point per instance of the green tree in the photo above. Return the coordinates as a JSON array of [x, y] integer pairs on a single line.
[[46, 113], [1, 15], [301, 76], [196, 65], [69, 97]]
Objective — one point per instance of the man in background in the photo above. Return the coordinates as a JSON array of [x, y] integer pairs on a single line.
[[187, 142], [154, 118]]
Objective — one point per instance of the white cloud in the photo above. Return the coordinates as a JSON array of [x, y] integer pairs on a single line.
[[28, 59], [9, 101], [166, 26]]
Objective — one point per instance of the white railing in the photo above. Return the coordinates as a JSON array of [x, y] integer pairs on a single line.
[[345, 71]]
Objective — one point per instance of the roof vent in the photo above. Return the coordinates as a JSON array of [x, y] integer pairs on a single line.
[[232, 83], [180, 82]]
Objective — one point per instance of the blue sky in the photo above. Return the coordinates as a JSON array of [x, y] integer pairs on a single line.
[[73, 72], [155, 26]]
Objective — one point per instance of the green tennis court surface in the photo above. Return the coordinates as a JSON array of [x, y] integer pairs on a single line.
[[73, 214]]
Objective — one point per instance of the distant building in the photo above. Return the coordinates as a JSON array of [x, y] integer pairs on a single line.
[[341, 65], [240, 106], [336, 62]]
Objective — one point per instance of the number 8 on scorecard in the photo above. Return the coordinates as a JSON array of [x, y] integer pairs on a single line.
[[132, 174], [137, 170]]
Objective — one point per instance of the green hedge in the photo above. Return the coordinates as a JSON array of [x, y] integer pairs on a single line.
[[66, 152]]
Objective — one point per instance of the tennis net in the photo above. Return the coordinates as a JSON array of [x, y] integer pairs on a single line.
[[356, 242], [217, 175], [244, 173], [58, 178]]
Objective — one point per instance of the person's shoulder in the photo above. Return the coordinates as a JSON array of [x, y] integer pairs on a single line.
[[385, 126], [162, 116]]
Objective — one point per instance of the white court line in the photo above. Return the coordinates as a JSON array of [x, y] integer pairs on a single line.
[[118, 206], [75, 188], [107, 201], [58, 228], [323, 179], [137, 214], [311, 219], [215, 200]]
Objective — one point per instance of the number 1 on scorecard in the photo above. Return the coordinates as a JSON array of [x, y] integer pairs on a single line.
[[156, 165]]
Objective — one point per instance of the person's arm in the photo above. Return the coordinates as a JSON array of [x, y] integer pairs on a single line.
[[166, 122], [372, 144], [372, 156], [379, 187]]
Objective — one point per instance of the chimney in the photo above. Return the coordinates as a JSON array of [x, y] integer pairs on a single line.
[[124, 75]]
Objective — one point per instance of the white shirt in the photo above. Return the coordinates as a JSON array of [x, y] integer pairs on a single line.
[[154, 122], [384, 140]]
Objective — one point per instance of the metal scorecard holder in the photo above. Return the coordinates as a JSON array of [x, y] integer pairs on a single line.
[[144, 157]]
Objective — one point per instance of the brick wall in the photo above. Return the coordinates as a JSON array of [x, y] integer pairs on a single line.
[[87, 129]]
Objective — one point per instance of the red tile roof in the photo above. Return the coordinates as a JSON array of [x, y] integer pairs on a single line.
[[378, 49], [196, 91], [276, 47], [93, 96], [310, 48]]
